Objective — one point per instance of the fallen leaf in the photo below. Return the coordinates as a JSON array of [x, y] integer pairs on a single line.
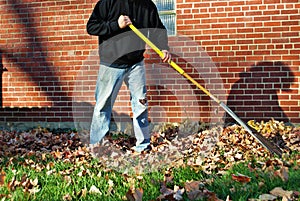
[[166, 191], [195, 195], [285, 199], [241, 178], [50, 172], [82, 193], [211, 196], [94, 190], [279, 192], [110, 186], [67, 197], [297, 194], [135, 194], [168, 177], [267, 197], [68, 179], [34, 182], [261, 184], [283, 173], [178, 193], [192, 186], [228, 198], [34, 190], [2, 178], [238, 156], [196, 191]]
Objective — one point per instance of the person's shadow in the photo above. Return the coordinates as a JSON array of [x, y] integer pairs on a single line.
[[2, 70], [254, 95]]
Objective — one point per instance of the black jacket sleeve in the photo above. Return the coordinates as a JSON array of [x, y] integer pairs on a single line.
[[98, 25]]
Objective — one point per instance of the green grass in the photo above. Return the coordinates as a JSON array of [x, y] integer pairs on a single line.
[[262, 181], [72, 178]]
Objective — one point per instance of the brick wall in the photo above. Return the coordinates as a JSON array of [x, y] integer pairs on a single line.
[[255, 46], [246, 53]]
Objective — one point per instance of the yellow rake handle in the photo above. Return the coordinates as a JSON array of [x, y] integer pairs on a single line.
[[172, 63]]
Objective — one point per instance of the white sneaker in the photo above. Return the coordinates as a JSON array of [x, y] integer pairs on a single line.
[[144, 147]]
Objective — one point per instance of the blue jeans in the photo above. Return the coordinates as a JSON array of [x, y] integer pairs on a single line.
[[108, 85]]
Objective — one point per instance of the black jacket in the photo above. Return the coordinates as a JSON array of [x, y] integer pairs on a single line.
[[121, 47]]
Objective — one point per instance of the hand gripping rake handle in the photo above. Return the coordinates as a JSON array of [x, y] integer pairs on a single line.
[[261, 139]]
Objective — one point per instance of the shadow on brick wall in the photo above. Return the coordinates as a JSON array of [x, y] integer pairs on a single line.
[[255, 95], [34, 61], [47, 117], [2, 70]]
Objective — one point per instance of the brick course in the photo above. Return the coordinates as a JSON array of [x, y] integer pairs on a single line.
[[244, 52]]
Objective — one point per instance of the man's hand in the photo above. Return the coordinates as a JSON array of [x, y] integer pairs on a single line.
[[124, 21], [167, 56]]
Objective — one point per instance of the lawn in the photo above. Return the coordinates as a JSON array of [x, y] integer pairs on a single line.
[[43, 164]]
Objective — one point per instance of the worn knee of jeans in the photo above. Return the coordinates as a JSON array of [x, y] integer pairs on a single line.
[[144, 113], [141, 107], [143, 101]]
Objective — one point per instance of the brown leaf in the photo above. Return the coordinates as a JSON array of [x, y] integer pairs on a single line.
[[283, 173], [57, 154], [67, 197], [2, 178], [168, 177], [165, 190], [82, 193], [279, 192], [211, 196], [192, 186], [193, 190], [11, 184], [135, 194], [195, 195], [241, 178]]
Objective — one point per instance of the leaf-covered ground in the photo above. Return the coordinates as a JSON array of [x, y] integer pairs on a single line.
[[180, 165]]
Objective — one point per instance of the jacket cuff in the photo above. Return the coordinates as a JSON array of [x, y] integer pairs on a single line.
[[114, 26]]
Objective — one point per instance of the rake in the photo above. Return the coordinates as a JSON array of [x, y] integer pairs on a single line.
[[272, 148]]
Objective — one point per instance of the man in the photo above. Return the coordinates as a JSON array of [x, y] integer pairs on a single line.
[[121, 59]]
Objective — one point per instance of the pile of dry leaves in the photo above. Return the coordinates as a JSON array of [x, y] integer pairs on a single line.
[[212, 150], [37, 141]]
